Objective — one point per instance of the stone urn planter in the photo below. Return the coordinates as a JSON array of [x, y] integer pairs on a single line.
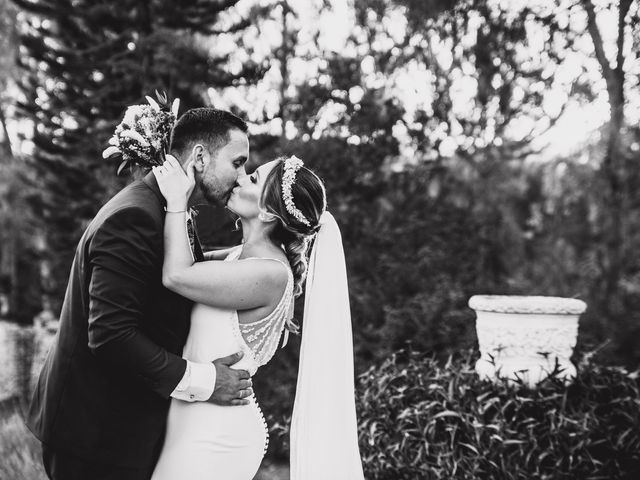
[[524, 336]]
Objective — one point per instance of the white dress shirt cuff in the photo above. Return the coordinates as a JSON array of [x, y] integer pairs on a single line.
[[197, 383]]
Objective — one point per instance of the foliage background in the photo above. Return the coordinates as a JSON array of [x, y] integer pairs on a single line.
[[423, 419], [451, 136]]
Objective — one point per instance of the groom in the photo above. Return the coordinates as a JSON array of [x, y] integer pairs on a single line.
[[101, 401]]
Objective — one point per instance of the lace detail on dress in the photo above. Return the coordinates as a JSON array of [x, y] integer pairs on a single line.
[[262, 336]]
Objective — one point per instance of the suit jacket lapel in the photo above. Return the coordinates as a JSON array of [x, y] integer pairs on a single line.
[[196, 247], [150, 181]]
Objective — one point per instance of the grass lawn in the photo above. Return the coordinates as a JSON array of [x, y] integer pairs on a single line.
[[20, 451]]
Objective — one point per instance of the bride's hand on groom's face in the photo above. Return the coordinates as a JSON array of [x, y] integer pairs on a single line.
[[175, 185]]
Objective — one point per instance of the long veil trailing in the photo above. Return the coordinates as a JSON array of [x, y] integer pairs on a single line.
[[324, 431]]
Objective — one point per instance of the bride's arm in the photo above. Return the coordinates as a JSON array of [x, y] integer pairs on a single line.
[[239, 285], [236, 285]]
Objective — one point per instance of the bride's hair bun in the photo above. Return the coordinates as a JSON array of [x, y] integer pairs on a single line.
[[309, 196]]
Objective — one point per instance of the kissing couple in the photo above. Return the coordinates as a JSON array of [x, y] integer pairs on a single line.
[[150, 372]]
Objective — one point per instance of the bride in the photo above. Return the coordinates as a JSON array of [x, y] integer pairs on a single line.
[[244, 301]]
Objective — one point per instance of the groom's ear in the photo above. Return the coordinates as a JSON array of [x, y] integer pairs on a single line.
[[198, 154]]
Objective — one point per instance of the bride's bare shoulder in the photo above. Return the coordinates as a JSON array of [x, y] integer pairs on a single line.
[[263, 251]]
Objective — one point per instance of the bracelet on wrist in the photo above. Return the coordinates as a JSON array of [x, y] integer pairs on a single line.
[[174, 211]]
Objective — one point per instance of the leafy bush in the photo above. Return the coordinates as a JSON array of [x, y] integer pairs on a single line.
[[419, 419]]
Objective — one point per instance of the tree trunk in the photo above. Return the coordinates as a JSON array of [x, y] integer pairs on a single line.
[[7, 152], [612, 166], [284, 52], [10, 247]]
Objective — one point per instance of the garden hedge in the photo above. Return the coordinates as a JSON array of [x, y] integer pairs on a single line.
[[420, 419]]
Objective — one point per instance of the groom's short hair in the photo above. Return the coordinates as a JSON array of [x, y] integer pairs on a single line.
[[205, 125]]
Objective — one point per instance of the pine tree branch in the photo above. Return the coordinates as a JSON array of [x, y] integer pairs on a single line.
[[221, 4], [236, 27], [39, 8]]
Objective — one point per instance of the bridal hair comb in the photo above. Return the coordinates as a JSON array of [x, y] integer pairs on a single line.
[[291, 167]]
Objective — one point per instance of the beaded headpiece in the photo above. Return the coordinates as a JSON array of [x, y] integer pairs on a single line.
[[291, 167]]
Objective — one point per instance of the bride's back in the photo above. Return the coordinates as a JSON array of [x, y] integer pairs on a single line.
[[216, 332]]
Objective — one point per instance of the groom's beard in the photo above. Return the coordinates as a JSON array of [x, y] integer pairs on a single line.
[[216, 195]]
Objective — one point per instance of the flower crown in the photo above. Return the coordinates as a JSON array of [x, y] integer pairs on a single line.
[[291, 167], [143, 136]]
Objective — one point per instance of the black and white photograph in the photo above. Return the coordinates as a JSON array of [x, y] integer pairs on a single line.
[[320, 240]]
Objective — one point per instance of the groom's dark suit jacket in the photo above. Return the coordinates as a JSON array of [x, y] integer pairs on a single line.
[[104, 390]]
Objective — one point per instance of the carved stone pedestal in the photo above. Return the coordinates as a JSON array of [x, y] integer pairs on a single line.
[[526, 336]]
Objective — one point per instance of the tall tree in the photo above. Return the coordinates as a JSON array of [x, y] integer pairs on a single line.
[[614, 164], [15, 256], [83, 63]]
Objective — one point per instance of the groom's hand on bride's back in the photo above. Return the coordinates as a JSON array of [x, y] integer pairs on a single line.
[[233, 387]]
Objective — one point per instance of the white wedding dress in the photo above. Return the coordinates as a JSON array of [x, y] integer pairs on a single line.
[[210, 442]]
